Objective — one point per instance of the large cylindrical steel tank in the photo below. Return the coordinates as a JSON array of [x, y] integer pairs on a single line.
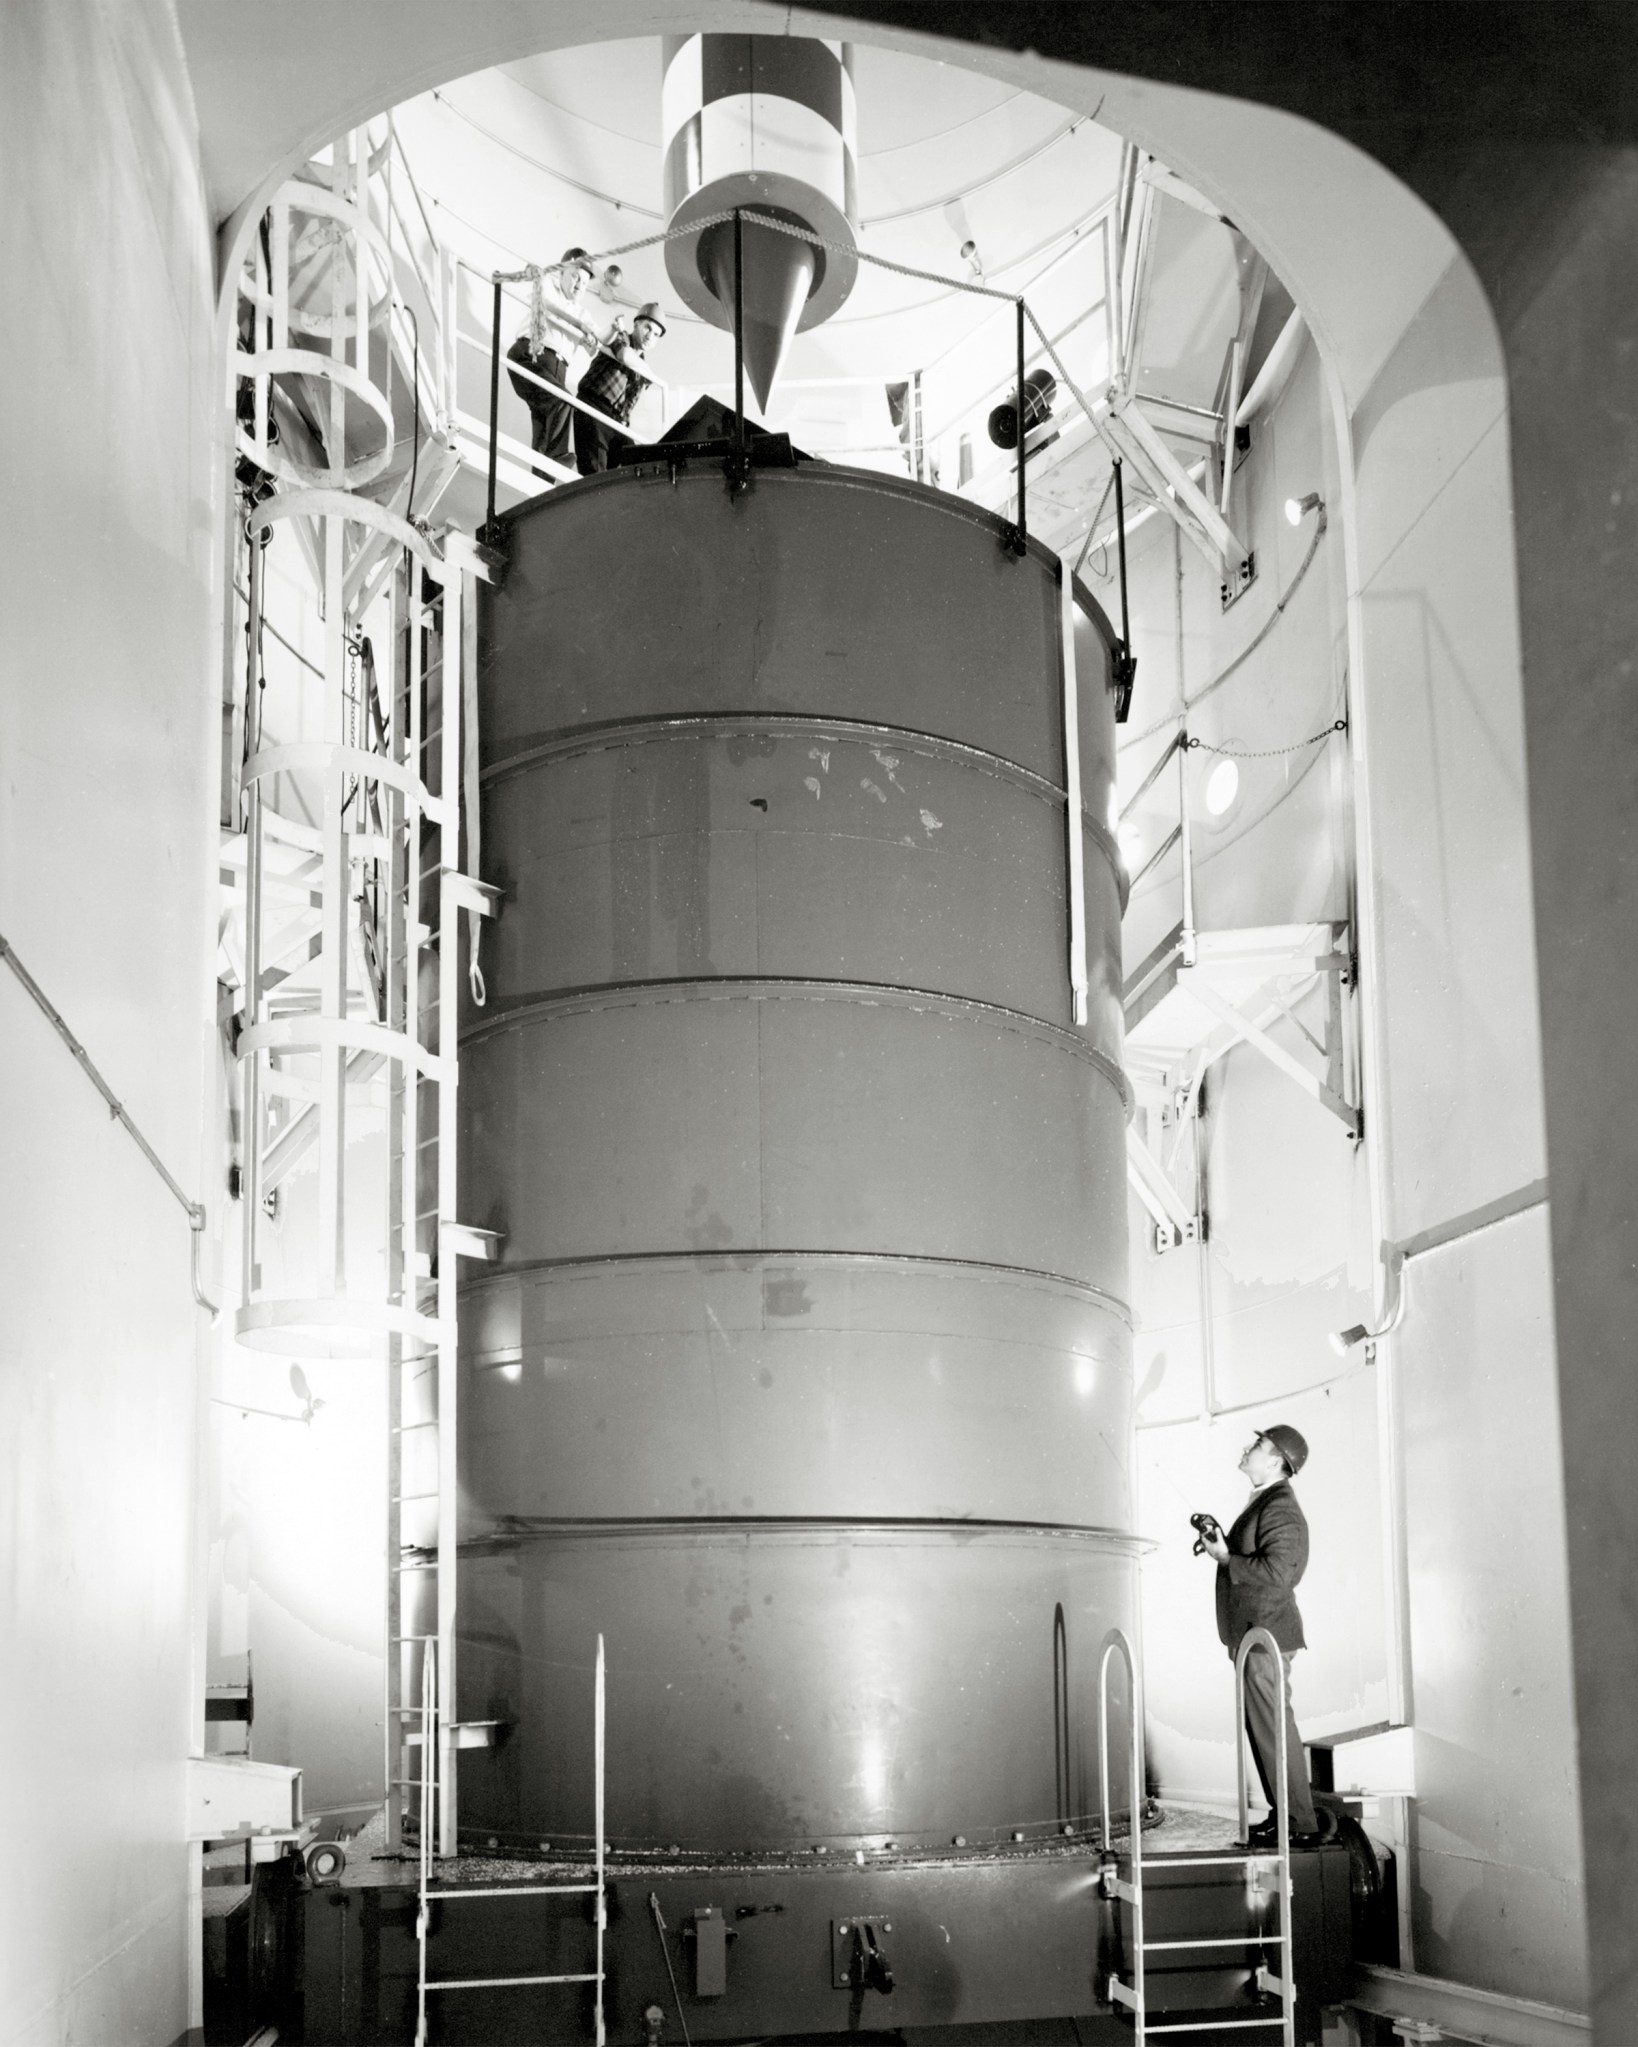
[[804, 1375]]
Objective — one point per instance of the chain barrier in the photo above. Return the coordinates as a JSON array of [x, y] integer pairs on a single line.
[[1267, 753]]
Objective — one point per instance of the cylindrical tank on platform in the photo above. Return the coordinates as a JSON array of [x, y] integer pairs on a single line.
[[804, 1373]]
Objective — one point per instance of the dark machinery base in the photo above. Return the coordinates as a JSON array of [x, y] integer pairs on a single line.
[[986, 1944]]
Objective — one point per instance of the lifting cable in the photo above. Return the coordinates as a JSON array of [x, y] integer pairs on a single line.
[[659, 1928], [194, 1210]]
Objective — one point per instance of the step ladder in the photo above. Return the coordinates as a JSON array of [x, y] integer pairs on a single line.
[[447, 1894], [1132, 1995]]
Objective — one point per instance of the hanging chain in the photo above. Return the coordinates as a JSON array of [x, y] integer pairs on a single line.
[[1268, 753]]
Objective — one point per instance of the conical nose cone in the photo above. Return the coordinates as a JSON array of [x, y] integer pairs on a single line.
[[778, 277]]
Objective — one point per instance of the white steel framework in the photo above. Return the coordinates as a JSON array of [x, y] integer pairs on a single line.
[[354, 883]]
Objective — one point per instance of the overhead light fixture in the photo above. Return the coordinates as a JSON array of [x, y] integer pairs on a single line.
[[1297, 508]]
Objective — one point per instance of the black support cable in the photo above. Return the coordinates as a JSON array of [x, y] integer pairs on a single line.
[[494, 409], [1023, 516]]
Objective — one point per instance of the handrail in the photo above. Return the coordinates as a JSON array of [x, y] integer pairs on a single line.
[[1115, 1643], [194, 1210]]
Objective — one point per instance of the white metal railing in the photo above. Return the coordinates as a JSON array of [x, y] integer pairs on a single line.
[[446, 1894]]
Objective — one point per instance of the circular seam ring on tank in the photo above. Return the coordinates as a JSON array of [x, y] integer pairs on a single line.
[[774, 988], [576, 743], [982, 1271], [517, 1528]]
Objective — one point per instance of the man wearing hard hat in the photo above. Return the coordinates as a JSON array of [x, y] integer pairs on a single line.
[[1259, 1563]]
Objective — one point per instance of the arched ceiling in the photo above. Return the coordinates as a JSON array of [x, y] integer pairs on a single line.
[[275, 79], [521, 161]]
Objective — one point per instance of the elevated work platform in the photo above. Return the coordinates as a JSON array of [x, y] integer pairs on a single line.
[[1197, 996]]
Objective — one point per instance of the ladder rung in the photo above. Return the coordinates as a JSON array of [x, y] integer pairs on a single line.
[[430, 1565], [403, 1428], [515, 1891], [1240, 1940], [1202, 2025], [404, 1499], [502, 1982], [1211, 1861], [391, 1639]]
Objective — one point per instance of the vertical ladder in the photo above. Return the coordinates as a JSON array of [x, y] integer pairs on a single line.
[[1132, 1996], [431, 1721], [425, 1242]]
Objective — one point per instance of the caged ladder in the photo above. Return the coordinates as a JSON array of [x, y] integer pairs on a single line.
[[448, 1894], [1132, 1995]]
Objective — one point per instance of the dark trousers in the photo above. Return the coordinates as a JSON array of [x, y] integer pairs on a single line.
[[592, 443], [1263, 1725], [549, 432]]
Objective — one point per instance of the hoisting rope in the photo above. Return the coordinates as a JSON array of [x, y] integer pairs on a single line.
[[665, 1949], [194, 1210]]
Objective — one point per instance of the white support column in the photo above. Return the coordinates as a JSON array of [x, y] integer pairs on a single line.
[[1073, 799], [333, 938], [449, 789]]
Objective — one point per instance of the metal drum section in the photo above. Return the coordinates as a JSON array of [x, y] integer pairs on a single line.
[[804, 1373]]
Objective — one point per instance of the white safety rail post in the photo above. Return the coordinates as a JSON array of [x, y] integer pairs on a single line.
[[1075, 832], [1185, 830], [449, 782], [1128, 1995], [599, 1719]]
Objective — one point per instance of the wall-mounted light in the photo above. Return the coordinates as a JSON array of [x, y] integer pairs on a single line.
[[1296, 509], [1222, 786]]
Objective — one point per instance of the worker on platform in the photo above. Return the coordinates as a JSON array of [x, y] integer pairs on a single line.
[[555, 331], [613, 384], [1259, 1563]]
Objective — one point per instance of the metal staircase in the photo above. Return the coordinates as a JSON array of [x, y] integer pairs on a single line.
[[1249, 1923]]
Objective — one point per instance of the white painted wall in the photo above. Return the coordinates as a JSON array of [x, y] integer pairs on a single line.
[[1440, 1463], [1496, 1849], [107, 769]]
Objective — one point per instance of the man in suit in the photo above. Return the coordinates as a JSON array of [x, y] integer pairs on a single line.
[[1259, 1563]]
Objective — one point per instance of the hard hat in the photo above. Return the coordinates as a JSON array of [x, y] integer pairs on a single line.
[[579, 259], [651, 313], [1291, 1446]]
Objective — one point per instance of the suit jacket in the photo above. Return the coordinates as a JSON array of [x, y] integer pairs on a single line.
[[1268, 1553]]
